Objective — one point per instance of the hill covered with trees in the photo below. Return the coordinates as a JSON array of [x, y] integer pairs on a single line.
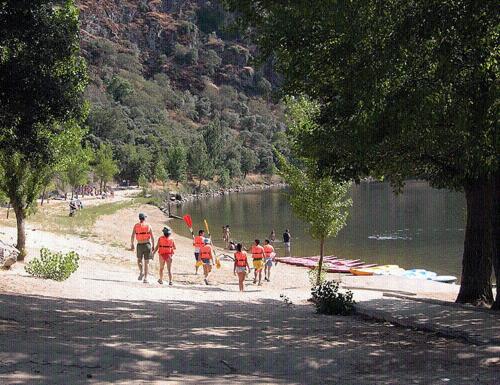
[[173, 91]]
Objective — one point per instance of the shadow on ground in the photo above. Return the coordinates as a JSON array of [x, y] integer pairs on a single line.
[[60, 341]]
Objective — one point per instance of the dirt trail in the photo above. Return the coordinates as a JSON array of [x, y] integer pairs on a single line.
[[103, 326]]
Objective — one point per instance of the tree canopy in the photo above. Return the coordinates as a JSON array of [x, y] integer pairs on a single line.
[[404, 89], [42, 79]]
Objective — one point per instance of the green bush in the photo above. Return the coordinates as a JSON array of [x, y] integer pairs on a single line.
[[329, 300], [51, 265], [313, 275]]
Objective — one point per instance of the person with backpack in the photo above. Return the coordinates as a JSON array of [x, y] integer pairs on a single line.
[[166, 249]]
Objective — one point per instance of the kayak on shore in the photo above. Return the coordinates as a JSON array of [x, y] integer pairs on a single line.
[[357, 267]]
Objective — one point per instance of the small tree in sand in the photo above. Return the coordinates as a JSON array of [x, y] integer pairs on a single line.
[[322, 203]]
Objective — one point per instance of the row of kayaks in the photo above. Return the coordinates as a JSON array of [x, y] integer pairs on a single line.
[[357, 267]]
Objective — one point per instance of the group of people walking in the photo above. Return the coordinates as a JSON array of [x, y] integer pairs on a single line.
[[263, 256], [142, 233]]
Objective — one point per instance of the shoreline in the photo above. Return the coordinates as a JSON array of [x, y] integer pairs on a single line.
[[179, 199]]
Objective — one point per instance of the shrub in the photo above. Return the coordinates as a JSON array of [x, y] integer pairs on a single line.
[[51, 265], [313, 275], [329, 300]]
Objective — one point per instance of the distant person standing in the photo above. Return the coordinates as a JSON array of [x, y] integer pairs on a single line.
[[143, 234], [241, 265], [268, 259], [198, 244], [258, 264], [272, 236], [286, 240], [226, 235], [166, 249]]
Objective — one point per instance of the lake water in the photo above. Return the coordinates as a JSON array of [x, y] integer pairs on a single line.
[[420, 228]]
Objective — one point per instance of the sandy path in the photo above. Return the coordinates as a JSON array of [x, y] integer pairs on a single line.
[[102, 326]]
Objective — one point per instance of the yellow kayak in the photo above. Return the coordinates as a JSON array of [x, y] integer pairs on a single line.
[[377, 270]]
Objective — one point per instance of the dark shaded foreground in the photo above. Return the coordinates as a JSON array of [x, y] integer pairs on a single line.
[[59, 341]]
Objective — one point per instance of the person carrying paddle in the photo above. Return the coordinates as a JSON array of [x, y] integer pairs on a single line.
[[268, 259], [143, 234], [241, 266], [258, 264], [166, 249], [198, 244], [207, 257]]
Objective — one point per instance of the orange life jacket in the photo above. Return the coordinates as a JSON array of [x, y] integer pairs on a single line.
[[268, 249], [166, 246], [241, 258], [257, 252], [198, 241], [206, 252], [142, 231]]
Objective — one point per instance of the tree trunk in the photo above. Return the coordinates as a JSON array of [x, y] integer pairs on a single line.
[[21, 231], [44, 191], [100, 187], [475, 285], [495, 223], [8, 210], [320, 263]]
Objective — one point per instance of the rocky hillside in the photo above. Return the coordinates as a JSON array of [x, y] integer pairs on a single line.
[[169, 75]]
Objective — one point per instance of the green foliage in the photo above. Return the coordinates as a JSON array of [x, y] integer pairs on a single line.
[[328, 300], [42, 82], [404, 90], [105, 167], [177, 163], [316, 275], [145, 101], [77, 168], [214, 138], [160, 173], [185, 55], [119, 88], [143, 184], [51, 265], [224, 179], [248, 161], [199, 161], [321, 202]]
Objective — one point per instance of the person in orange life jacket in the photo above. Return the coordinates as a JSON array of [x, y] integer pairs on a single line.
[[143, 234], [198, 244], [207, 257], [166, 249], [268, 259], [258, 264], [241, 265]]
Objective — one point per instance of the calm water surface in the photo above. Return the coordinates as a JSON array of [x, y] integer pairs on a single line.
[[421, 228]]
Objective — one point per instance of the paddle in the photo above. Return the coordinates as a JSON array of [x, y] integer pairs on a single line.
[[217, 263], [206, 227], [189, 223]]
